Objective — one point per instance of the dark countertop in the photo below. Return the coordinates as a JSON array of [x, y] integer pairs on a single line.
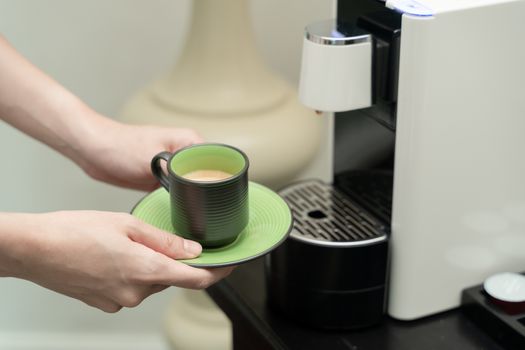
[[242, 296]]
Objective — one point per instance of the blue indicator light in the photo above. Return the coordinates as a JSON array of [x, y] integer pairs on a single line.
[[410, 7]]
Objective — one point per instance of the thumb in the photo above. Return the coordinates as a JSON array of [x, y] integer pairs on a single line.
[[164, 242]]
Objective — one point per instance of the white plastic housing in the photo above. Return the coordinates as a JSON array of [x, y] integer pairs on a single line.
[[336, 75], [459, 177]]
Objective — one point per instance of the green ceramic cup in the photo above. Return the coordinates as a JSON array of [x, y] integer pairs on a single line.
[[208, 187]]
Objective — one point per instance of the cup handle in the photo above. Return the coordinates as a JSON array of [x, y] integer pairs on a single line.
[[157, 171]]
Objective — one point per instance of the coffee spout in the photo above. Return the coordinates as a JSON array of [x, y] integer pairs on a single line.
[[336, 68]]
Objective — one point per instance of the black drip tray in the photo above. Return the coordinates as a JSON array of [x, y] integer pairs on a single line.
[[507, 330]]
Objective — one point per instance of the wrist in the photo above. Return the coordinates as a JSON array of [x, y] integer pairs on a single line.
[[90, 138]]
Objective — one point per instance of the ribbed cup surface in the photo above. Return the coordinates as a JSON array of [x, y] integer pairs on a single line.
[[210, 214]]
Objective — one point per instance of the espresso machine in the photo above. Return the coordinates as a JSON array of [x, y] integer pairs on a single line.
[[429, 138]]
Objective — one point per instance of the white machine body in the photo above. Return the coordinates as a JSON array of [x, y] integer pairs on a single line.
[[459, 172]]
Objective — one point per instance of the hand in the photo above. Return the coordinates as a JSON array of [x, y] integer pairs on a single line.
[[107, 260], [120, 154], [106, 150]]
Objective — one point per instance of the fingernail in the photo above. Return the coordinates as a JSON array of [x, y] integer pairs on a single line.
[[192, 247]]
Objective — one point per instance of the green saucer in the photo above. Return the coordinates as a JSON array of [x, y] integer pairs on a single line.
[[269, 225]]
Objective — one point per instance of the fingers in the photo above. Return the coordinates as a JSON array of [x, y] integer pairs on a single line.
[[175, 273], [164, 242], [156, 288], [128, 296], [184, 137], [172, 273], [103, 304]]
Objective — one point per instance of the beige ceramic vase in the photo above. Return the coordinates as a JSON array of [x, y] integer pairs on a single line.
[[221, 87]]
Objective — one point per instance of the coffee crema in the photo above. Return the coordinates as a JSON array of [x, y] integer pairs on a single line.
[[207, 175]]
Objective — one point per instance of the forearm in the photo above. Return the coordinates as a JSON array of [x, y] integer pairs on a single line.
[[16, 241], [37, 105]]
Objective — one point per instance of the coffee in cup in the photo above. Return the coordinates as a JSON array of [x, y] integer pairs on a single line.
[[207, 175], [208, 187]]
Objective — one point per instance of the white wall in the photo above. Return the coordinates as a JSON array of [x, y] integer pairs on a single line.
[[103, 51]]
